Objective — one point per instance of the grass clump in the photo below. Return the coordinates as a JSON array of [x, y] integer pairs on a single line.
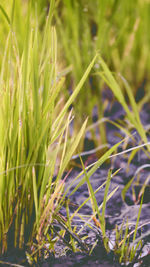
[[33, 126], [37, 109], [118, 30]]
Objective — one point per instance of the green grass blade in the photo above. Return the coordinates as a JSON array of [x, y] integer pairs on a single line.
[[97, 165], [5, 14], [35, 192], [72, 149], [105, 200], [76, 91], [91, 194]]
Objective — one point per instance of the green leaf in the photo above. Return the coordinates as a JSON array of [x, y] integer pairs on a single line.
[[5, 14]]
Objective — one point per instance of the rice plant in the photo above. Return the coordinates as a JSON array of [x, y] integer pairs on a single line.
[[46, 79], [34, 122], [118, 30]]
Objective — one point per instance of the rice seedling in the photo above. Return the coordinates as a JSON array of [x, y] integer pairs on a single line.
[[33, 126], [133, 116], [124, 248], [39, 136], [87, 174], [114, 28]]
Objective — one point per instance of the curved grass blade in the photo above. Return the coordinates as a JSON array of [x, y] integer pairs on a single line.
[[5, 14]]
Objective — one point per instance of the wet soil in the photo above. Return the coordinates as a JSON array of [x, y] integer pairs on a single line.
[[117, 210]]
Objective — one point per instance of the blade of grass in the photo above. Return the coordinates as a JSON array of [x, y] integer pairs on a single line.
[[76, 91], [97, 165], [5, 14]]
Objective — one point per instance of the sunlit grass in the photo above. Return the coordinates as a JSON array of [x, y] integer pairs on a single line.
[[39, 99], [119, 31], [32, 124]]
